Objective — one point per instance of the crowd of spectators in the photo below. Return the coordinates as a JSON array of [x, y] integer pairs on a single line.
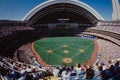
[[22, 55], [7, 30], [107, 27], [107, 50], [14, 70]]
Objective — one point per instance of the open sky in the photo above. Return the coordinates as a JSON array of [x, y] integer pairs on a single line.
[[17, 9]]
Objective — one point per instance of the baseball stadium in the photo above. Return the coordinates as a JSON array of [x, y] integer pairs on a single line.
[[61, 40]]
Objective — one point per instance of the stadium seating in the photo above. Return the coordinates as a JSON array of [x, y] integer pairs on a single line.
[[7, 30], [11, 69]]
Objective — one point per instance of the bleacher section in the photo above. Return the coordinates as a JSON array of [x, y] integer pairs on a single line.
[[7, 30], [112, 26], [108, 51]]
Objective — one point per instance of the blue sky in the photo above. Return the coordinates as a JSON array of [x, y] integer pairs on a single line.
[[17, 9]]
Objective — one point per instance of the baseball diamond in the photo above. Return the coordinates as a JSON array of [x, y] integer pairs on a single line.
[[64, 50]]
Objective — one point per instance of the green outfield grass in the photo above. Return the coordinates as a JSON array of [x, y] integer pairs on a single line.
[[54, 49]]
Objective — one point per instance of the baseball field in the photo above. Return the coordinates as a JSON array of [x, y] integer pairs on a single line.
[[64, 50]]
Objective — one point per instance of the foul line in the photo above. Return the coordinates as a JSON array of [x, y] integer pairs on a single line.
[[84, 49]]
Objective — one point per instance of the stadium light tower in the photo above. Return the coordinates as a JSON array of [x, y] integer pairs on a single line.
[[116, 10]]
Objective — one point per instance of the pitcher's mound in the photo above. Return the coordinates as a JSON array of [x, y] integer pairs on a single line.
[[67, 60]]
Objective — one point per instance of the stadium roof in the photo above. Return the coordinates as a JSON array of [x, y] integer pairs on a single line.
[[43, 5]]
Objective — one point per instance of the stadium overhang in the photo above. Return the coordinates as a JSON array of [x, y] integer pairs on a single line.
[[62, 6]]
